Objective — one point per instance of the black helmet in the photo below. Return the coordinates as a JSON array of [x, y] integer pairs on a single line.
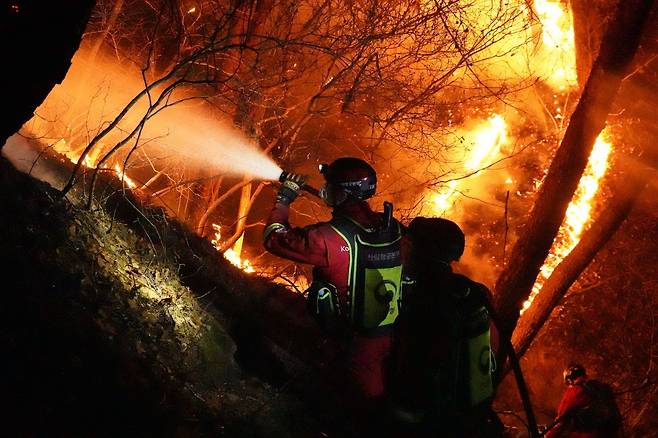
[[348, 177], [436, 238], [572, 372]]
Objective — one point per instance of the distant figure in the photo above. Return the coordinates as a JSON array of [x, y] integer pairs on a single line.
[[442, 372], [357, 269], [587, 410]]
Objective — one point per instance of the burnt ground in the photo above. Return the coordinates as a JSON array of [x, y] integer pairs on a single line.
[[101, 338]]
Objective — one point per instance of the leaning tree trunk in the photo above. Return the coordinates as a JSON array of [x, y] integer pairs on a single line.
[[37, 40], [634, 107], [617, 50], [615, 211]]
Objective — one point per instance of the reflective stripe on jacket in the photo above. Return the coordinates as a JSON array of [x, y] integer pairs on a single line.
[[318, 244]]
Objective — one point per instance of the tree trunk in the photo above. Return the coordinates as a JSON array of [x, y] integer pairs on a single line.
[[627, 191], [79, 133], [36, 64], [617, 50], [639, 130], [243, 212]]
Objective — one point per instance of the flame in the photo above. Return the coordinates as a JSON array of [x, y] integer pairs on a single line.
[[123, 177], [296, 279], [230, 254], [90, 160], [486, 139], [558, 48], [578, 215]]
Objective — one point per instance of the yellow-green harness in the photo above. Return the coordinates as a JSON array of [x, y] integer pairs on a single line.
[[375, 273]]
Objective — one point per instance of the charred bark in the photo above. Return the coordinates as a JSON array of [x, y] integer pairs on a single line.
[[617, 50], [38, 40]]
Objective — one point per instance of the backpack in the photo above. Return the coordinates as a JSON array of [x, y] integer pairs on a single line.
[[375, 273], [601, 411], [468, 373]]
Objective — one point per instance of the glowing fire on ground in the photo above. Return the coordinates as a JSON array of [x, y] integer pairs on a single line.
[[577, 217], [123, 177], [230, 254], [557, 54], [89, 161], [296, 280]]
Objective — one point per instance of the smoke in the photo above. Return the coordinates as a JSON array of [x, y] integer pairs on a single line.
[[24, 155]]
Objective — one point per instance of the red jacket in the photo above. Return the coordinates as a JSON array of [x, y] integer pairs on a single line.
[[583, 393], [574, 398], [322, 247], [318, 244]]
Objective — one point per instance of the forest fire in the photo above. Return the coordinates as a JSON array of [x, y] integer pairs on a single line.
[[482, 143], [481, 140], [554, 60], [179, 117], [558, 41], [578, 216], [123, 177], [230, 254], [90, 160]]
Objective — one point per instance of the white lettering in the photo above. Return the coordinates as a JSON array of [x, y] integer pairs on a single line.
[[344, 249]]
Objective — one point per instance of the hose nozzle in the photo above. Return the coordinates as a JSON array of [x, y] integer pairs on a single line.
[[308, 189], [284, 176]]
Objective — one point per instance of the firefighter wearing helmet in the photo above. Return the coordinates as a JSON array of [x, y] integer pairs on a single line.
[[357, 268], [588, 408]]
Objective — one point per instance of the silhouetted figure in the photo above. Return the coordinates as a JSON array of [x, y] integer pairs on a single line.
[[587, 410], [442, 383]]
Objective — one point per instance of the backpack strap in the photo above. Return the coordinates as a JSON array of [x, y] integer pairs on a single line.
[[348, 230]]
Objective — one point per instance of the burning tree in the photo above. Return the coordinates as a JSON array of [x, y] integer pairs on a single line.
[[460, 106], [374, 77]]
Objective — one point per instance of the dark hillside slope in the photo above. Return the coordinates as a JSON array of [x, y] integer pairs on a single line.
[[100, 337]]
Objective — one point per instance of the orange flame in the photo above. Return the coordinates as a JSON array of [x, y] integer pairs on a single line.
[[90, 159], [486, 141], [578, 216], [123, 177], [230, 254], [558, 48]]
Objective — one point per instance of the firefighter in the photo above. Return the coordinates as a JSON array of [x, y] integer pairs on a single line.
[[442, 380], [356, 258], [588, 408]]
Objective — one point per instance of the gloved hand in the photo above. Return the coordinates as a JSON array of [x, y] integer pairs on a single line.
[[290, 188]]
